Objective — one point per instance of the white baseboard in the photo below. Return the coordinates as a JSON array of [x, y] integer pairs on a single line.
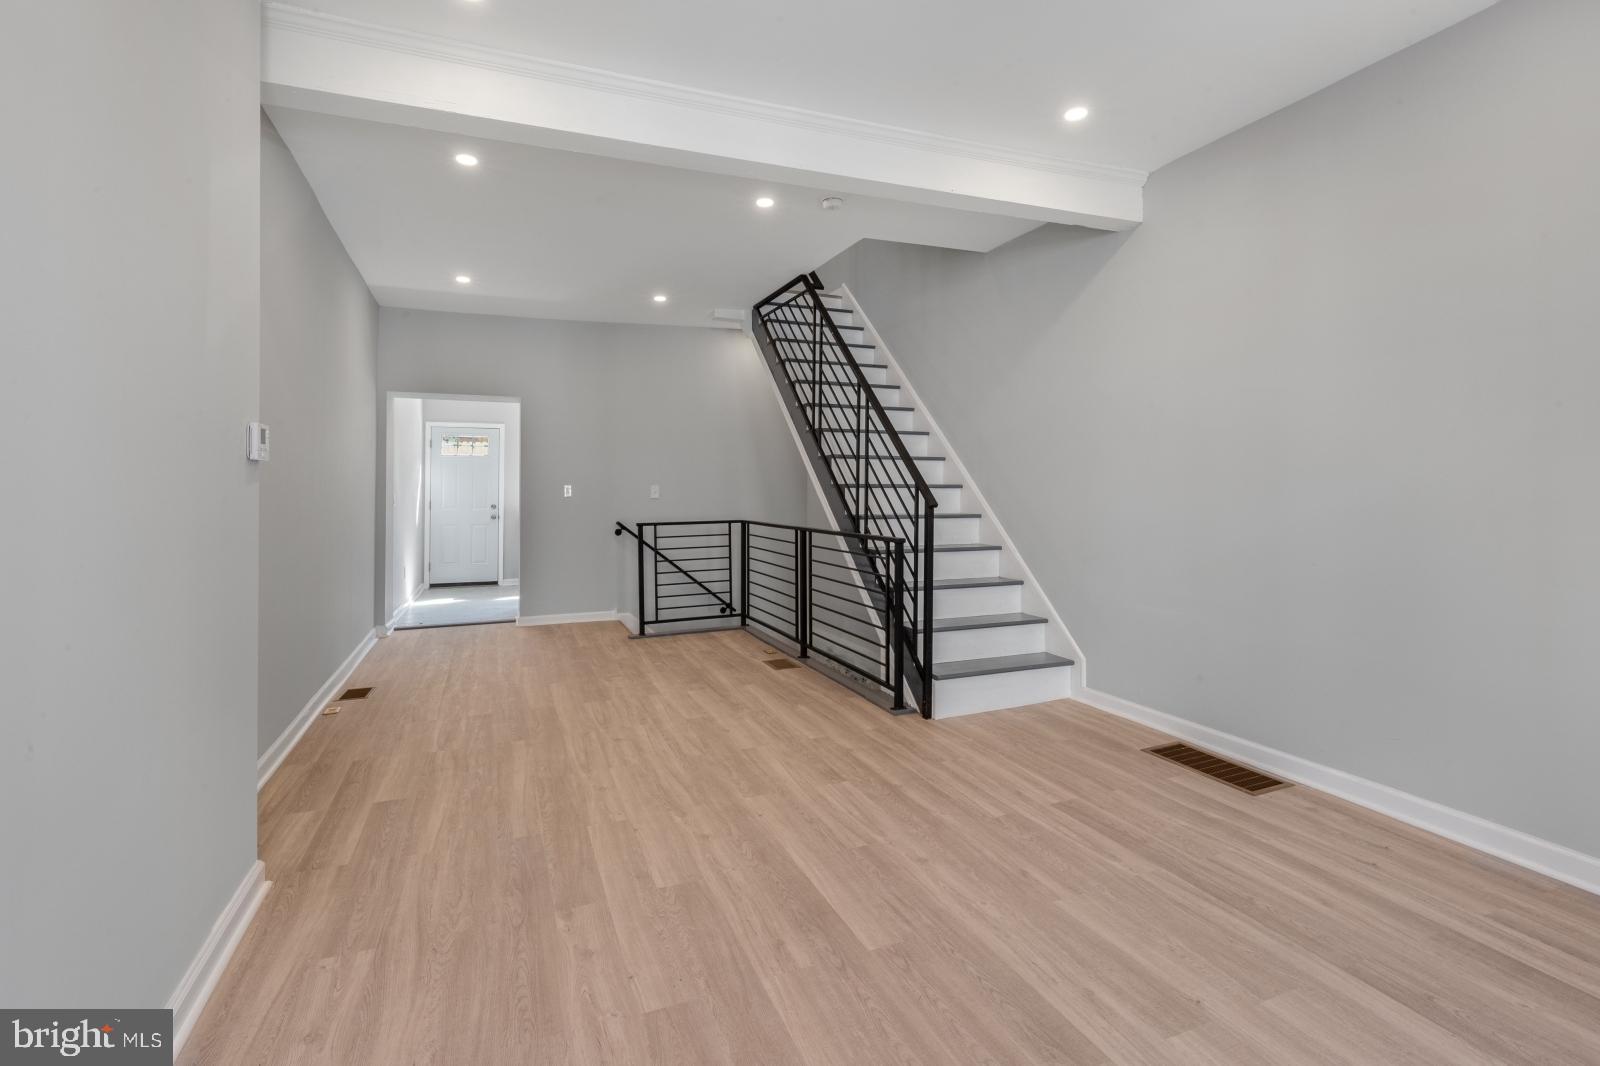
[[510, 582], [416, 593], [563, 619], [627, 618], [1513, 845], [273, 757], [200, 980]]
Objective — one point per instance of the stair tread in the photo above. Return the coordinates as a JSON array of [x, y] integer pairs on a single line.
[[894, 484], [987, 621], [832, 362], [973, 582], [902, 432], [936, 514], [966, 547], [848, 343], [815, 381], [806, 322], [999, 664], [852, 407], [875, 455]]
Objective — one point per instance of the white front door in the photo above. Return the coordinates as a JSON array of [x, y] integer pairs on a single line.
[[463, 504]]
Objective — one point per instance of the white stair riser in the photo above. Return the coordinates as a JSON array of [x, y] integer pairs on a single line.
[[966, 564], [955, 645], [891, 528], [796, 325], [955, 530], [846, 419], [992, 692], [875, 375], [883, 494], [842, 442], [986, 599], [945, 530], [840, 387], [932, 469]]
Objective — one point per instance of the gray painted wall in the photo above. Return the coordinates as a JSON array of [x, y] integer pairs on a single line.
[[610, 410], [129, 296], [437, 410], [1310, 457], [319, 352]]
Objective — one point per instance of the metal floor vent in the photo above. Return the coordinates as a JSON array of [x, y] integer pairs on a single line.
[[354, 694], [782, 664], [1229, 773]]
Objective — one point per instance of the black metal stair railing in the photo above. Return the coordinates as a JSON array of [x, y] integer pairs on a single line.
[[872, 481], [800, 584]]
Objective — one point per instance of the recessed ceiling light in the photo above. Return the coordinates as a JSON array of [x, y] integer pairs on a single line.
[[1076, 114], [467, 159], [660, 297], [463, 279], [832, 203], [765, 201]]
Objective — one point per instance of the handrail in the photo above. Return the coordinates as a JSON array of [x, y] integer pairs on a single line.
[[878, 481], [813, 288], [727, 608]]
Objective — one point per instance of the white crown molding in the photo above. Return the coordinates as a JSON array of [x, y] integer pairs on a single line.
[[289, 18]]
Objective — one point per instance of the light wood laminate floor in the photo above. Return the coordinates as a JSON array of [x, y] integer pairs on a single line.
[[557, 845]]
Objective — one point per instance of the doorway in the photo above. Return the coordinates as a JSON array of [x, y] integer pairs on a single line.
[[464, 484], [453, 510]]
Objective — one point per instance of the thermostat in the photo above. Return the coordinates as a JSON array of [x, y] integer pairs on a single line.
[[257, 445]]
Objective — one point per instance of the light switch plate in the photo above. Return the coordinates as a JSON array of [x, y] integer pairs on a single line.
[[655, 492], [566, 490]]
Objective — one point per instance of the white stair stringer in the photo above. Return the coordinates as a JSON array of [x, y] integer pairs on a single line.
[[998, 641]]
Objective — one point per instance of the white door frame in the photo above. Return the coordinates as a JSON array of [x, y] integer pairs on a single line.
[[427, 497]]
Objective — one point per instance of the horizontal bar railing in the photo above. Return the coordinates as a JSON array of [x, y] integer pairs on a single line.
[[724, 599], [878, 485], [817, 589]]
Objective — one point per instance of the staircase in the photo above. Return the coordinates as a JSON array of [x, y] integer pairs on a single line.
[[978, 633]]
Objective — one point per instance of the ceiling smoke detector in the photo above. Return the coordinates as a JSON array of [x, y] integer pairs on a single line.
[[832, 203]]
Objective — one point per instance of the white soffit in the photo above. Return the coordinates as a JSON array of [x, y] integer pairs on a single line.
[[314, 61], [545, 233]]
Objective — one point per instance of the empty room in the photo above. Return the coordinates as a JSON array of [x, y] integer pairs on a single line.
[[719, 534]]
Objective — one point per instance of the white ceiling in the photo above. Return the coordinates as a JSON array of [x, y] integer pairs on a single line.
[[1163, 77], [552, 234]]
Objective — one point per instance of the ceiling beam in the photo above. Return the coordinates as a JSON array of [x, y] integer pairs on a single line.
[[319, 62]]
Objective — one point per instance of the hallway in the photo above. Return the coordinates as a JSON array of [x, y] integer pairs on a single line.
[[459, 605], [560, 845]]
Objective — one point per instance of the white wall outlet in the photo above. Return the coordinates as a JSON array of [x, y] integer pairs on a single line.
[[655, 492], [566, 490], [257, 442]]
